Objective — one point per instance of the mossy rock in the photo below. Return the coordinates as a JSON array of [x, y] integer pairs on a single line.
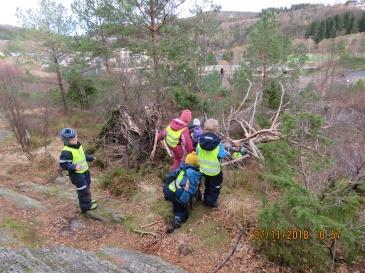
[[23, 234]]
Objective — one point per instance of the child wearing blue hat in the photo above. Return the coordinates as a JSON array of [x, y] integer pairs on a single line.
[[74, 160]]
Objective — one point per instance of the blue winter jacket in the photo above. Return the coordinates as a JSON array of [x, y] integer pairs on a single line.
[[183, 195]]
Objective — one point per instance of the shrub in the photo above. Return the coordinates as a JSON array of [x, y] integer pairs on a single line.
[[271, 95], [120, 181], [212, 84], [81, 90], [334, 213], [186, 99]]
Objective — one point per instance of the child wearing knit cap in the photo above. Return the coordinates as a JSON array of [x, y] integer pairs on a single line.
[[74, 160], [177, 138], [195, 132]]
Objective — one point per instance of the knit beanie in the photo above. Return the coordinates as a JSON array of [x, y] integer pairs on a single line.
[[186, 116], [196, 122], [67, 134], [191, 159]]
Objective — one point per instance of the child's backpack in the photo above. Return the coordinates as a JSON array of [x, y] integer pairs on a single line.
[[178, 191], [195, 134]]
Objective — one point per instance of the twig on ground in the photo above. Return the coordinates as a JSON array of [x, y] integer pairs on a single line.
[[150, 224], [235, 160], [231, 253], [143, 232]]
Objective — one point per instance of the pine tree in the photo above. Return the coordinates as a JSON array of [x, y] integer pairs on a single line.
[[361, 23], [338, 22], [349, 23], [321, 34]]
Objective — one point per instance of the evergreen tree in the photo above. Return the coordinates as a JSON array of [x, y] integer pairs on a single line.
[[361, 23], [311, 30], [338, 23], [330, 28], [99, 19], [51, 26], [349, 23], [267, 46], [321, 34]]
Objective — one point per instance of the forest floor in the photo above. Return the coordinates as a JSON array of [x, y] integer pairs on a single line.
[[51, 217], [39, 209]]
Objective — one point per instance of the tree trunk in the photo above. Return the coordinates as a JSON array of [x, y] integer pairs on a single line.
[[154, 40], [62, 89], [59, 81]]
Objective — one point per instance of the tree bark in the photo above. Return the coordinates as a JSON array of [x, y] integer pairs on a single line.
[[62, 89], [59, 81]]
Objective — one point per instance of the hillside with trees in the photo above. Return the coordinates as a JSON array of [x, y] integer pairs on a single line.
[[286, 86]]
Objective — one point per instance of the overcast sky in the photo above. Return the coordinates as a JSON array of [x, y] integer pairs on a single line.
[[8, 7]]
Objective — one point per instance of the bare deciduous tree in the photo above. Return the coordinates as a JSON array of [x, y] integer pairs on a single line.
[[10, 84]]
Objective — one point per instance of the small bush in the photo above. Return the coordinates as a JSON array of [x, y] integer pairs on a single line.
[[212, 84], [336, 210], [262, 120], [186, 99], [81, 91], [120, 181], [271, 95]]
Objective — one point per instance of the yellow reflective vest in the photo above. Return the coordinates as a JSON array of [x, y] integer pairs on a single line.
[[78, 157], [173, 137], [176, 183], [208, 161]]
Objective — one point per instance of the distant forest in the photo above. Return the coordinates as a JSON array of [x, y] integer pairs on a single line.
[[286, 9], [334, 26]]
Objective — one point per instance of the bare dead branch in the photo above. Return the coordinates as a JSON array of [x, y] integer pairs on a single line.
[[233, 250], [235, 160], [280, 105], [253, 114], [244, 99], [154, 145]]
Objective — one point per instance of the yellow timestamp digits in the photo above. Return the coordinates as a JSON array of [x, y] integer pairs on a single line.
[[285, 234], [323, 234]]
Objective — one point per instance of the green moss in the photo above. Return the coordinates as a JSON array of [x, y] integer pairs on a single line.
[[212, 234], [23, 233], [163, 208], [129, 223], [28, 270], [120, 181]]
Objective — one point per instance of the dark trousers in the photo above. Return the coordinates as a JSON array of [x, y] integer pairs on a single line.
[[82, 182], [212, 190], [178, 209]]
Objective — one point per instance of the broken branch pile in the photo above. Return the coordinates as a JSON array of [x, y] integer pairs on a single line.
[[252, 134], [128, 139]]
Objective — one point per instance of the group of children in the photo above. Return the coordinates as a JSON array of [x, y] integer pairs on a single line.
[[196, 154], [190, 165]]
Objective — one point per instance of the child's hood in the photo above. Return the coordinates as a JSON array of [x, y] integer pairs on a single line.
[[177, 124], [209, 141]]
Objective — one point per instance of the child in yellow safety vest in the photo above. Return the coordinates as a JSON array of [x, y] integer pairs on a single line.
[[180, 186], [210, 151], [177, 137], [74, 160]]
